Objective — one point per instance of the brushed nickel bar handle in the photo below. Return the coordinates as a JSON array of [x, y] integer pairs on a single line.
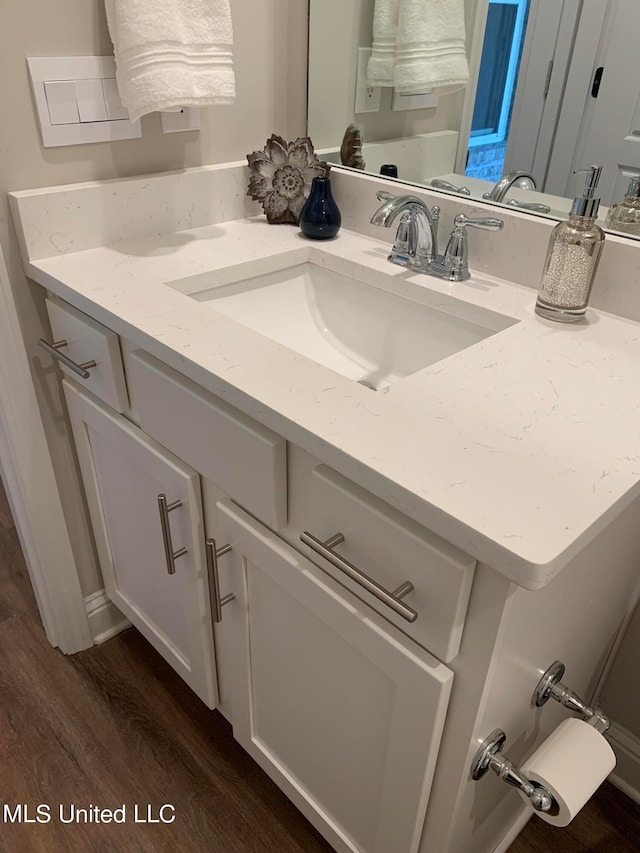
[[217, 603], [53, 349], [170, 555], [391, 599]]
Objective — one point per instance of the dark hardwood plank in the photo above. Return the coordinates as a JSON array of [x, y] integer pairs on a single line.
[[6, 520], [16, 593], [609, 823], [115, 725]]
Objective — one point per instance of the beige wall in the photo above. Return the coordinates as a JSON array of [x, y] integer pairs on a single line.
[[270, 44], [620, 697]]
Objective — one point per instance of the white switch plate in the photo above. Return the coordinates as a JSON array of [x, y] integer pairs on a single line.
[[90, 98], [73, 69], [61, 102], [422, 101], [187, 118], [115, 107], [367, 97]]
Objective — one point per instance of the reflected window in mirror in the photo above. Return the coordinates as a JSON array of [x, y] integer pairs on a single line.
[[501, 54]]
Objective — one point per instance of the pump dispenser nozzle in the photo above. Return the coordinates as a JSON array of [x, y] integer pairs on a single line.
[[587, 204]]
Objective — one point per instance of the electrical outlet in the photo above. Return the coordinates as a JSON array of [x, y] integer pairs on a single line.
[[187, 118], [367, 97], [421, 101]]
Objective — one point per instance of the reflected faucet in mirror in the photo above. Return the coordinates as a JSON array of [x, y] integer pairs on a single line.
[[523, 181], [516, 178], [520, 180]]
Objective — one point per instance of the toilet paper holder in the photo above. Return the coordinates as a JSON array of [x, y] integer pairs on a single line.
[[489, 755], [550, 686]]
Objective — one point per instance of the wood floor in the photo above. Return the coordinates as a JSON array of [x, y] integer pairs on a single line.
[[114, 725]]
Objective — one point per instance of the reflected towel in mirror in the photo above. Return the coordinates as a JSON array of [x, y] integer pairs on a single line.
[[383, 50], [418, 46]]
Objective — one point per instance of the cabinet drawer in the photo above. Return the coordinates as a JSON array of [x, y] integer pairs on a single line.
[[87, 340], [391, 550], [245, 459]]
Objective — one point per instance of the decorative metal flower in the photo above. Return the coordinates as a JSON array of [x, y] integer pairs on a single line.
[[281, 177]]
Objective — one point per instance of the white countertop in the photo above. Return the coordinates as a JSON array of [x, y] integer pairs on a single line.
[[519, 449]]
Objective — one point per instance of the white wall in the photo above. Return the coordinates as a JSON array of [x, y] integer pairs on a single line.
[[270, 42]]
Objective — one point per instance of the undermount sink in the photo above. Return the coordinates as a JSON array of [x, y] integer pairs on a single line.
[[361, 331]]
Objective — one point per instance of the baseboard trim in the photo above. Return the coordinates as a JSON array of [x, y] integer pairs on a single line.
[[105, 620], [516, 828], [626, 746]]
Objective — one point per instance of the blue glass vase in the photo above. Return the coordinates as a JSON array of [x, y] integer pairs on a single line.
[[320, 218]]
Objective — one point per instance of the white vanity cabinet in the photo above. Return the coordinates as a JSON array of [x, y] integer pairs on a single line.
[[341, 699], [342, 716], [124, 473], [344, 712]]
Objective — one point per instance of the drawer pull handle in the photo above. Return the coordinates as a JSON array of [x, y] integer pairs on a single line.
[[53, 349], [391, 599], [170, 555], [217, 603]]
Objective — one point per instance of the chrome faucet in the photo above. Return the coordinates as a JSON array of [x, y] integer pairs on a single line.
[[416, 243], [522, 179]]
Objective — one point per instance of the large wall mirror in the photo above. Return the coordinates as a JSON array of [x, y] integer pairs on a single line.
[[554, 86]]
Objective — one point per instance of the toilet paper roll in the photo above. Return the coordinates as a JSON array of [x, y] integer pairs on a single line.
[[571, 764]]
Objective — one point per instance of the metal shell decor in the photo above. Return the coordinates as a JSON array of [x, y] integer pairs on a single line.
[[281, 176]]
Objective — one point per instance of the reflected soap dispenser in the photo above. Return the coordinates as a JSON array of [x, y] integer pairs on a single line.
[[572, 258], [625, 216]]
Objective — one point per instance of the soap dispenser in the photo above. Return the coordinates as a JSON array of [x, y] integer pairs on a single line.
[[625, 216], [572, 258]]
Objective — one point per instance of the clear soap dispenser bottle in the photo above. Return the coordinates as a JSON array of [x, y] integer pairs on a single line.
[[572, 258]]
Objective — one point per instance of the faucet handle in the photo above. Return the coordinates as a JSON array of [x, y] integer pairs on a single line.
[[486, 223], [454, 264]]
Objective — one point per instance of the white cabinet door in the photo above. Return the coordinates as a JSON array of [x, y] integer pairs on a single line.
[[124, 471], [344, 718]]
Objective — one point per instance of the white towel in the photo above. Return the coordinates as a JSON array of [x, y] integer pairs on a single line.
[[431, 47], [172, 53], [419, 45], [383, 51]]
